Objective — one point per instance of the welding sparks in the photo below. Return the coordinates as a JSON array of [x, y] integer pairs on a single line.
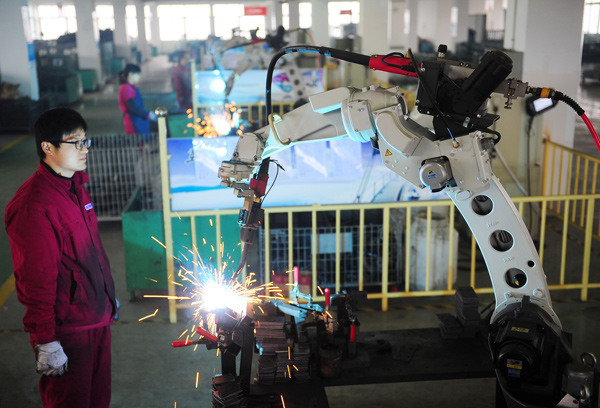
[[163, 245], [150, 315], [153, 280], [168, 297], [197, 378], [282, 402]]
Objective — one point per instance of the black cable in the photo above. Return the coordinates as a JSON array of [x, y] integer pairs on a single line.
[[279, 166], [328, 52], [490, 131], [389, 64], [528, 165]]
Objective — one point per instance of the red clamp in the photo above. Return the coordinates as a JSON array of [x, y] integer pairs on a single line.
[[206, 334], [296, 274], [393, 64], [352, 333], [327, 296]]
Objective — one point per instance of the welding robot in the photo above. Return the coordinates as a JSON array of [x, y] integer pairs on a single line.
[[534, 363]]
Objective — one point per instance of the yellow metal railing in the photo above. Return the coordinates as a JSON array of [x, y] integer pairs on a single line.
[[569, 172], [552, 230]]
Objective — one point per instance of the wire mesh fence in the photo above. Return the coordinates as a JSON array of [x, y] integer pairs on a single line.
[[117, 164], [349, 258]]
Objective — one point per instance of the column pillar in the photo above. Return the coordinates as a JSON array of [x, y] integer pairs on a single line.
[[154, 29], [120, 33], [142, 43], [17, 56], [294, 19], [88, 37], [526, 32], [463, 24], [278, 14], [412, 6], [320, 22], [373, 26]]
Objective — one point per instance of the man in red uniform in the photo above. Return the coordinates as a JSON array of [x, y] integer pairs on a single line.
[[62, 274]]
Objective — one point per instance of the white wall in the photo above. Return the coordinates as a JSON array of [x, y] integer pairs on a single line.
[[397, 37], [15, 65], [552, 55], [373, 26]]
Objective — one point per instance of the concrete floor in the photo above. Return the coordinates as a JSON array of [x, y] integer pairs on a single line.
[[147, 372]]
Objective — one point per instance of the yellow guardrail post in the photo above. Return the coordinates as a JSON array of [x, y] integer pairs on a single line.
[[166, 203], [587, 249], [361, 249], [407, 251], [386, 258], [314, 247], [338, 257], [290, 246]]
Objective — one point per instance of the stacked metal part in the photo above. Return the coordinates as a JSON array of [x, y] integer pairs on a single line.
[[271, 341], [301, 359], [227, 392], [467, 304], [467, 320]]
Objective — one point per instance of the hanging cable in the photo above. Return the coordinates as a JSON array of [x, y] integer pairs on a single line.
[[559, 96]]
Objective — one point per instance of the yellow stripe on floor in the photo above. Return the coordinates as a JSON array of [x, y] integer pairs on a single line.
[[7, 288], [13, 143]]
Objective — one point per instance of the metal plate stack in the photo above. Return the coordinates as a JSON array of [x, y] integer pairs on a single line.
[[301, 360], [284, 366], [227, 392], [467, 304], [450, 327], [270, 339]]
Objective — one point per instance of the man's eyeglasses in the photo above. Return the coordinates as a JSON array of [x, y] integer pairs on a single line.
[[79, 143]]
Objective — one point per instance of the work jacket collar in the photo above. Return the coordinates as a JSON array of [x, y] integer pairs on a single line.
[[78, 179]]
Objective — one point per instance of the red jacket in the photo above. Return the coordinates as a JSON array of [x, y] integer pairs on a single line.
[[62, 274]]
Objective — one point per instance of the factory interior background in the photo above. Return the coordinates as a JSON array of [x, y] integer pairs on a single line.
[[335, 210]]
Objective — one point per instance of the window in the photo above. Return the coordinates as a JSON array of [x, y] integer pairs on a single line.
[[591, 17], [305, 15], [342, 13], [106, 17], [183, 22], [285, 15], [148, 22], [227, 18], [131, 22], [454, 21], [56, 21], [305, 10]]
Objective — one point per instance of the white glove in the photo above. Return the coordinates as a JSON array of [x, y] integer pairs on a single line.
[[51, 359]]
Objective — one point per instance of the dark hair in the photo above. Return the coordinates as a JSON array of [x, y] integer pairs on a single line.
[[54, 124], [126, 71]]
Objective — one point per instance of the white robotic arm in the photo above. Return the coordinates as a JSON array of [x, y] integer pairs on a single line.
[[461, 168], [529, 348]]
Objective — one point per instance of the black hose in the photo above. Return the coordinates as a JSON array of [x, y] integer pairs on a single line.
[[559, 96], [348, 56]]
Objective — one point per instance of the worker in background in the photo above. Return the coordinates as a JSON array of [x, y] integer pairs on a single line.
[[135, 116], [62, 273], [182, 82]]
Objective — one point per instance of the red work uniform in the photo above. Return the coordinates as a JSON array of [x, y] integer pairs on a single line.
[[62, 276]]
